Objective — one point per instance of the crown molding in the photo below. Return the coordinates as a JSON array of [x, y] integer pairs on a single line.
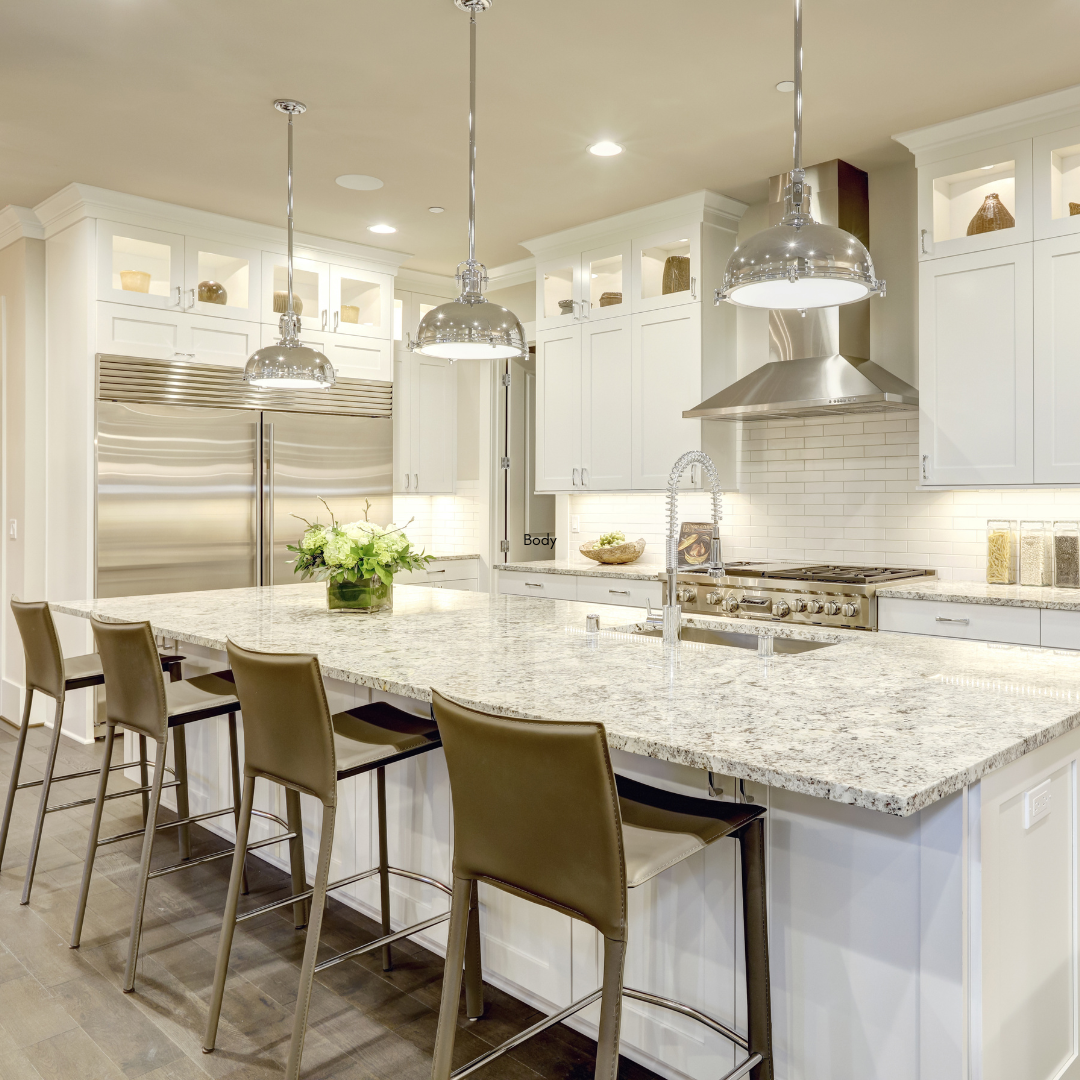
[[521, 272], [422, 281], [78, 201], [18, 222]]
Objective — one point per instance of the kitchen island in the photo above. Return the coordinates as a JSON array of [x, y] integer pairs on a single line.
[[922, 888]]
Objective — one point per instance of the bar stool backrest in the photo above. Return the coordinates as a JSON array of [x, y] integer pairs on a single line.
[[536, 811], [41, 647], [134, 687], [288, 732]]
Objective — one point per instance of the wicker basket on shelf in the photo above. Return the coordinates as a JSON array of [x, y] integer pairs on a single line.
[[626, 552]]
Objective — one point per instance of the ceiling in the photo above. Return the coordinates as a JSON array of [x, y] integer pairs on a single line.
[[171, 99]]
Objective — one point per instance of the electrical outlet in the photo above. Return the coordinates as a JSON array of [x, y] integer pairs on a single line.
[[575, 523], [1036, 804]]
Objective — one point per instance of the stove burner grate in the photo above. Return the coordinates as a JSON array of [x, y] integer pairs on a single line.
[[847, 575]]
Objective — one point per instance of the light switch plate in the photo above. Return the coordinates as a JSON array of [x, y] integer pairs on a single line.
[[575, 523], [1036, 804]]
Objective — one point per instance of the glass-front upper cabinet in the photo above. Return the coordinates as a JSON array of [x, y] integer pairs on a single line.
[[1055, 179], [976, 201], [559, 294], [605, 279], [361, 303], [222, 280], [667, 268], [311, 290], [140, 266]]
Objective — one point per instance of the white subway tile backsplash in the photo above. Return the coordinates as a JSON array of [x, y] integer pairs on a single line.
[[843, 490], [443, 524]]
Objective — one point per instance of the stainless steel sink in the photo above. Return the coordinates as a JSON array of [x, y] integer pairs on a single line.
[[739, 641]]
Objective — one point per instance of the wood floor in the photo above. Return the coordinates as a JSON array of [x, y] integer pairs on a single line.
[[64, 1017]]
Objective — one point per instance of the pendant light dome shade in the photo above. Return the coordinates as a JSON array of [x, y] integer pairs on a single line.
[[799, 263], [471, 327], [289, 365]]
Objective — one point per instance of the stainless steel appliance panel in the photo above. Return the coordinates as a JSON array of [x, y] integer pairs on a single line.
[[175, 499], [345, 459]]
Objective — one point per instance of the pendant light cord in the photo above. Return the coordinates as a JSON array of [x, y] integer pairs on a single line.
[[472, 137], [798, 86]]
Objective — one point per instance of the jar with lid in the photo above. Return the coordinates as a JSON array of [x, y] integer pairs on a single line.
[[1036, 553], [1067, 554], [1001, 552]]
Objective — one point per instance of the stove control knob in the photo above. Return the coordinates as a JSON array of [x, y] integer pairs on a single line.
[[849, 611], [780, 609], [713, 598], [832, 607], [814, 606], [730, 605], [798, 604], [686, 596]]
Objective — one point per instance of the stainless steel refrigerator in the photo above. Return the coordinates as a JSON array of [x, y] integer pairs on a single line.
[[198, 475]]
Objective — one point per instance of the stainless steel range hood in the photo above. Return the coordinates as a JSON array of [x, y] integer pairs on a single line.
[[819, 359]]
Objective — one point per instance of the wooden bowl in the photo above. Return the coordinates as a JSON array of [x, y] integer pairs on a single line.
[[626, 552]]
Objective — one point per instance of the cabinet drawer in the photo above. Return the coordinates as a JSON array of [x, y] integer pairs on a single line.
[[451, 569], [467, 584], [940, 618], [1060, 629], [552, 586], [616, 591]]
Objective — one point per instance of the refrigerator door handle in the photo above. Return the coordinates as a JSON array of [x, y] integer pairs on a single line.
[[269, 533], [260, 498]]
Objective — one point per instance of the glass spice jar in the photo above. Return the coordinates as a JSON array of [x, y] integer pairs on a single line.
[[1001, 552], [1036, 553], [1067, 554]]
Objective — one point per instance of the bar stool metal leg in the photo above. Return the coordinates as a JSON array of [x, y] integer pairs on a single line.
[[183, 810], [756, 939], [296, 856], [95, 832], [16, 769], [474, 977], [455, 957], [144, 779], [43, 802], [311, 946], [234, 760], [384, 863], [607, 1041]]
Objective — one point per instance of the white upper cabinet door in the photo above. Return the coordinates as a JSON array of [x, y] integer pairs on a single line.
[[666, 380], [126, 330], [433, 392], [605, 282], [222, 280], [559, 293], [1057, 360], [606, 444], [1055, 181], [558, 409], [976, 417], [666, 268], [222, 342], [311, 286], [361, 303], [953, 191], [140, 266], [360, 358]]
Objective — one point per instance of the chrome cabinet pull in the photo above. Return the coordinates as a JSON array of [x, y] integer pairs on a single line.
[[693, 288], [416, 478], [179, 296], [336, 318], [619, 592], [533, 585], [922, 241], [436, 571], [407, 478], [584, 476], [324, 318], [575, 477], [926, 466], [962, 622], [192, 303]]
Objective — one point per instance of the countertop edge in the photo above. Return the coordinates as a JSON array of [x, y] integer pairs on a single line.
[[618, 571]]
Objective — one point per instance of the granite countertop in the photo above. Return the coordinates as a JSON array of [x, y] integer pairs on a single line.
[[452, 558], [978, 592], [631, 571], [888, 722]]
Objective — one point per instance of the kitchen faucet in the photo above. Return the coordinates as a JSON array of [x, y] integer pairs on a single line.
[[715, 565]]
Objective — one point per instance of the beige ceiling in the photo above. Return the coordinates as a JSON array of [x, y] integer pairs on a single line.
[[170, 99]]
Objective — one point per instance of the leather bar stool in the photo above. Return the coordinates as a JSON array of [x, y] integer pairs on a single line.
[[138, 699], [539, 814], [291, 739], [49, 672]]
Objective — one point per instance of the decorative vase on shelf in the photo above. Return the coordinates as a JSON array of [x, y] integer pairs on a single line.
[[135, 281], [676, 274], [210, 292], [610, 299], [990, 217], [1074, 209], [281, 303], [366, 596]]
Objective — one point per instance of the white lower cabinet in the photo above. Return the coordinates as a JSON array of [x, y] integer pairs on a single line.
[[548, 586], [460, 574], [944, 618], [1060, 629], [425, 425], [592, 590]]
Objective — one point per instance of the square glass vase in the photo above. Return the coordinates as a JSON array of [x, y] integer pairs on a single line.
[[365, 597]]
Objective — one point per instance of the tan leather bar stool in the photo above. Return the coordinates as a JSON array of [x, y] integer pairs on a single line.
[[138, 699], [291, 739], [49, 672], [539, 814]]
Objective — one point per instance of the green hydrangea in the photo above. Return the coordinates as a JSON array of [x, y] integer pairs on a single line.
[[339, 550], [313, 540]]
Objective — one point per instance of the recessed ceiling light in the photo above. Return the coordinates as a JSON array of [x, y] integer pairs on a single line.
[[785, 87], [359, 182], [435, 209], [381, 228], [605, 149]]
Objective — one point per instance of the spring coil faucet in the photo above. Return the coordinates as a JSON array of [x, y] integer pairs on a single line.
[[715, 565]]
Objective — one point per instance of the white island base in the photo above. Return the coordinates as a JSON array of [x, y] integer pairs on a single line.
[[941, 946]]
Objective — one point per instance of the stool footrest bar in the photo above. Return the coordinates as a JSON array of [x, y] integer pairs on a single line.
[[528, 1033], [387, 939], [269, 817], [743, 1069], [307, 894], [108, 798], [686, 1010], [80, 775], [227, 853], [166, 825]]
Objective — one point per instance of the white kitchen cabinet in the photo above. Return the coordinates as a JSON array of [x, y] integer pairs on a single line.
[[351, 358], [667, 267], [238, 270], [545, 586], [139, 266], [1055, 177], [459, 574], [361, 303], [559, 292], [1057, 359], [311, 286], [947, 618], [223, 342], [976, 424], [558, 409], [606, 275], [620, 592], [425, 425]]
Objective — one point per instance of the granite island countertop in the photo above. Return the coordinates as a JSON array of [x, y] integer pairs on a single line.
[[628, 571], [888, 722], [978, 592]]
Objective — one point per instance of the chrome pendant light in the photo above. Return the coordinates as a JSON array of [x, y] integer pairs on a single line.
[[799, 263], [471, 327], [289, 365]]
